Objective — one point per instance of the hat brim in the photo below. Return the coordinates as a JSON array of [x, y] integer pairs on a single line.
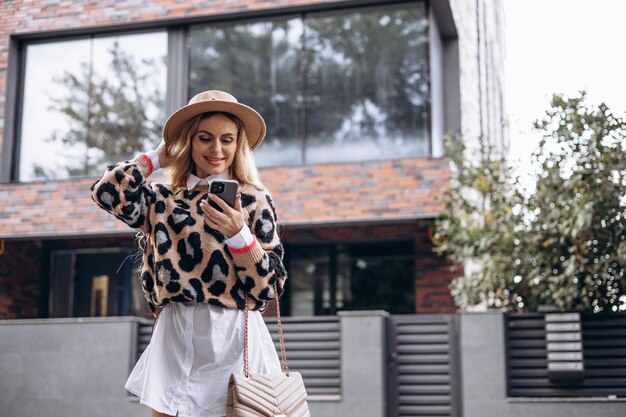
[[251, 119]]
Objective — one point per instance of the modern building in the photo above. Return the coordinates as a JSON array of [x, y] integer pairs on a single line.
[[357, 96]]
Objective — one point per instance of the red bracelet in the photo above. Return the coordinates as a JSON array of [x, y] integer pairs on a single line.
[[147, 158], [244, 249]]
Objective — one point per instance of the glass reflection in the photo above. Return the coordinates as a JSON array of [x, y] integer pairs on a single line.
[[376, 277], [101, 102], [338, 86], [309, 282], [367, 85], [259, 64], [368, 276]]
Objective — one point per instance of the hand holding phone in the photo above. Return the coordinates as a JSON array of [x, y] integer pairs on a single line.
[[230, 223], [224, 189]]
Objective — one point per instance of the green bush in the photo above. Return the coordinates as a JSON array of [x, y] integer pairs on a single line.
[[562, 244]]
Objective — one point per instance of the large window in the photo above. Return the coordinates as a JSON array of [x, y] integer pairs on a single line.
[[345, 86], [325, 279], [90, 102]]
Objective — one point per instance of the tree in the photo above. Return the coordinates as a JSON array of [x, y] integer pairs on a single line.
[[577, 230], [564, 243], [477, 227], [108, 116]]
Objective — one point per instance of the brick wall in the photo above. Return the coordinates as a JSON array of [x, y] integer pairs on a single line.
[[309, 194], [383, 190]]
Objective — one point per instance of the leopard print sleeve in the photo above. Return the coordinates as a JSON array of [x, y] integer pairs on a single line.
[[260, 264], [122, 192]]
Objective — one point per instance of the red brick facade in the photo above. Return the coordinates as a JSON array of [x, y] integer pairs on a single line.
[[323, 193]]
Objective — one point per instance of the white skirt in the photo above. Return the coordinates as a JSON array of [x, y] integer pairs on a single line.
[[194, 349]]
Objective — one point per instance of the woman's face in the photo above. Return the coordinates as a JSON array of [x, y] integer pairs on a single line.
[[214, 145]]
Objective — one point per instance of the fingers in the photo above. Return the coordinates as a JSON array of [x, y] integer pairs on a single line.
[[208, 220], [212, 213], [228, 222], [163, 154], [223, 205], [228, 210]]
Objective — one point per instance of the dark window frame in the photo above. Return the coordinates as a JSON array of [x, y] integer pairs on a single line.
[[52, 310], [332, 249], [177, 63]]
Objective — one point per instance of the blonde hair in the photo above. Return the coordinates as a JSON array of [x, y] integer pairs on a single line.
[[243, 169]]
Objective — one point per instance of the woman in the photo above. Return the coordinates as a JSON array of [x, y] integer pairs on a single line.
[[197, 261]]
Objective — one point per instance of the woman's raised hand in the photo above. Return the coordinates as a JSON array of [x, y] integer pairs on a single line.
[[164, 158]]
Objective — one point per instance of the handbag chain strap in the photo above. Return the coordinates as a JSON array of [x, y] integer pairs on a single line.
[[283, 351]]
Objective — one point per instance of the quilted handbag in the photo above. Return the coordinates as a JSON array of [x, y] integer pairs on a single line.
[[278, 394]]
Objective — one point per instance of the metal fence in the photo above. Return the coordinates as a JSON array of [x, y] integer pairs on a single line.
[[424, 366], [313, 350], [602, 354], [423, 376]]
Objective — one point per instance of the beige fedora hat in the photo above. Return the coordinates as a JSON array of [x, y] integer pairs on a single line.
[[215, 100]]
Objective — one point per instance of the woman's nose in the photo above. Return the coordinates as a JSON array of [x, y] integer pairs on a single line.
[[214, 146]]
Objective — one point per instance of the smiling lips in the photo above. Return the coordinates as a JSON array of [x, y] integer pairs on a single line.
[[214, 161]]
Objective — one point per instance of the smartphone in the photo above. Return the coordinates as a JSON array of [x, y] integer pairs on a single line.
[[224, 189]]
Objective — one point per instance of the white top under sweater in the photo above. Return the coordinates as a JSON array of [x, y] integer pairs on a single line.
[[194, 349]]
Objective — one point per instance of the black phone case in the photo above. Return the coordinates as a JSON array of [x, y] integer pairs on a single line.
[[228, 194]]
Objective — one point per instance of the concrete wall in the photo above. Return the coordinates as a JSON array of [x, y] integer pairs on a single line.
[[483, 363], [67, 367], [437, 101], [78, 367], [480, 26], [363, 368]]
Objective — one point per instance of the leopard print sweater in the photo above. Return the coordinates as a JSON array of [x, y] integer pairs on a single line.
[[185, 259]]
